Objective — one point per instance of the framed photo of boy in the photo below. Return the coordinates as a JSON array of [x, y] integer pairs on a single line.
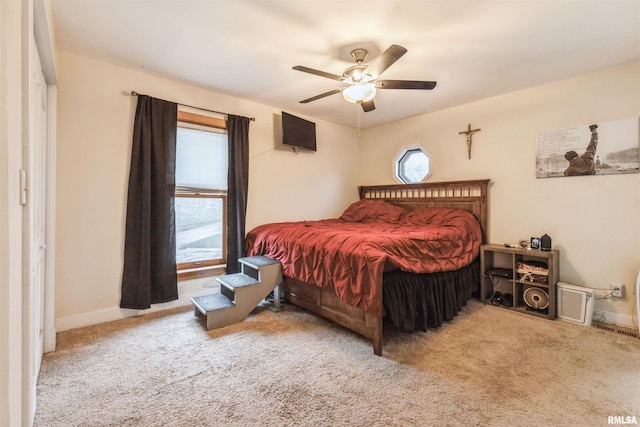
[[535, 243]]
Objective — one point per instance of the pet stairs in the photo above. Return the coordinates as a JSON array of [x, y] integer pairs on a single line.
[[240, 292]]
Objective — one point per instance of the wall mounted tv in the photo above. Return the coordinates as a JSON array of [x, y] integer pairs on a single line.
[[298, 133]]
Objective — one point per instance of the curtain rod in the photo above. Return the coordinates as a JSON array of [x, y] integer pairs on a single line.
[[253, 119]]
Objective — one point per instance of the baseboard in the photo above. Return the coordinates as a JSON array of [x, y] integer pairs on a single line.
[[613, 318], [117, 313]]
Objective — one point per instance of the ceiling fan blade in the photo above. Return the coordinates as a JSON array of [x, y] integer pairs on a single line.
[[385, 60], [322, 95], [368, 106], [405, 84], [318, 73]]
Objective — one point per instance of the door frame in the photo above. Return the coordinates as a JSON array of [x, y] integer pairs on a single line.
[[42, 32]]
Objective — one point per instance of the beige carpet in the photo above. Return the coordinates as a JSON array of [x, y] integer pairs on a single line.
[[489, 367]]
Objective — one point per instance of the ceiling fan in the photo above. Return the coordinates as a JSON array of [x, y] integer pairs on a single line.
[[362, 79]]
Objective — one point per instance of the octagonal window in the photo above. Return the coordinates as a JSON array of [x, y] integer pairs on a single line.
[[413, 165]]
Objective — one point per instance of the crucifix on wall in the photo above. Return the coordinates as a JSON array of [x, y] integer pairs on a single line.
[[469, 132]]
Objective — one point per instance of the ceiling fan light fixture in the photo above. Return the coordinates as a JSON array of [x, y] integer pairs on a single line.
[[359, 92], [361, 80]]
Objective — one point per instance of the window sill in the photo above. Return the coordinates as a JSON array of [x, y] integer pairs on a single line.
[[196, 273]]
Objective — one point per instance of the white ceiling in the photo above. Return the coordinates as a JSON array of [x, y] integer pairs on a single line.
[[474, 49]]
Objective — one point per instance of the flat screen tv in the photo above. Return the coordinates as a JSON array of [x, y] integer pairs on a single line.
[[298, 133]]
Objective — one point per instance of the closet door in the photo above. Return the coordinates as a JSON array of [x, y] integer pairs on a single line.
[[34, 201]]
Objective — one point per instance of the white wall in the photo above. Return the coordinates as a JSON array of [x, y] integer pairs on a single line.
[[95, 121], [593, 220]]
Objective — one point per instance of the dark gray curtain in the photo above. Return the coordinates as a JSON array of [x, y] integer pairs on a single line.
[[149, 274], [238, 182]]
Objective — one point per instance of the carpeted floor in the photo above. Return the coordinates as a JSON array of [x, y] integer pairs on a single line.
[[488, 367]]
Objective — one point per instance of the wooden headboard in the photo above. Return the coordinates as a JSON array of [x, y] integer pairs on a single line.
[[469, 195]]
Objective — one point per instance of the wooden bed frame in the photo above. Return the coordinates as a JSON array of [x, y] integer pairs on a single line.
[[469, 195]]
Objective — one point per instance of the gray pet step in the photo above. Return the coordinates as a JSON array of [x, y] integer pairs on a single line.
[[258, 261], [236, 280], [240, 292], [211, 302]]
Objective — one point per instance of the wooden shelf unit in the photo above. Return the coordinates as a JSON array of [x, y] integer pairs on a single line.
[[500, 256]]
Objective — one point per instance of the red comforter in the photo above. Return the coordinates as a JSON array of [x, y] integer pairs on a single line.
[[350, 254]]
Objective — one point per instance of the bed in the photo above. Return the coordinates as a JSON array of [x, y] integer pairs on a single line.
[[407, 252]]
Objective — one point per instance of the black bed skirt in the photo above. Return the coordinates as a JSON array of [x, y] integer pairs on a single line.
[[415, 302]]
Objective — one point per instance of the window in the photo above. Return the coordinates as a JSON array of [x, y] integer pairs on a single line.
[[413, 165], [201, 192]]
